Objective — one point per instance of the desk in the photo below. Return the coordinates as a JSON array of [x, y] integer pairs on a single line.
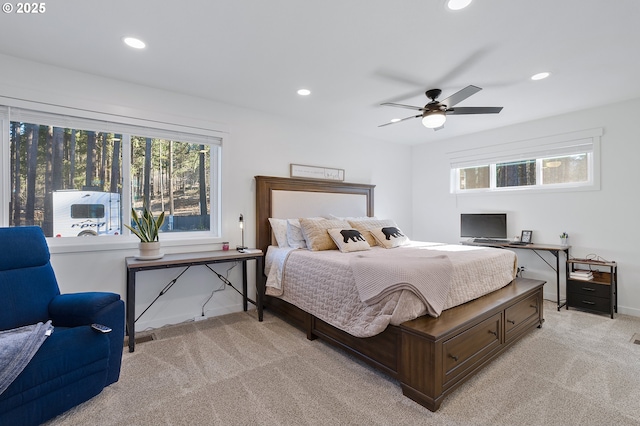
[[553, 249], [187, 260]]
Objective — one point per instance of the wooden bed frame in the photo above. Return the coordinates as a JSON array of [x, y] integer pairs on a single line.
[[430, 357]]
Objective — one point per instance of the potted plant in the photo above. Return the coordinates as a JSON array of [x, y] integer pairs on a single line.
[[564, 239], [146, 228]]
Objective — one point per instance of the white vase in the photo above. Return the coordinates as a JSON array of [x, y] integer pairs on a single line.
[[149, 251]]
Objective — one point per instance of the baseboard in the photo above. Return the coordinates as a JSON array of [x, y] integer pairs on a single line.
[[186, 317], [629, 311]]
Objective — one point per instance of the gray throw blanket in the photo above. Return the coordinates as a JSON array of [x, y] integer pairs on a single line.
[[427, 275], [17, 347]]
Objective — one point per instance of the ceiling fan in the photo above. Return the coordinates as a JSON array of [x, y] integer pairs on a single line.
[[434, 114]]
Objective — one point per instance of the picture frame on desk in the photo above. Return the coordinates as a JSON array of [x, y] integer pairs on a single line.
[[526, 237]]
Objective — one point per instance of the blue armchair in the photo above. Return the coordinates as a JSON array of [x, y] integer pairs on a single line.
[[75, 362]]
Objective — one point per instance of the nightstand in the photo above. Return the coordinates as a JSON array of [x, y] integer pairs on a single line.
[[592, 285]]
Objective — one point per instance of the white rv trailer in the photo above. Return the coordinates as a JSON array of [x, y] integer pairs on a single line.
[[86, 213]]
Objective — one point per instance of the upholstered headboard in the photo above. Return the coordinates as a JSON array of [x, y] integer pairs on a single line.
[[290, 198]]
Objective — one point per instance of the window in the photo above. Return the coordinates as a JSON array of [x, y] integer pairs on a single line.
[[172, 177], [568, 169], [474, 178], [516, 173], [87, 211], [561, 162], [79, 177], [60, 178]]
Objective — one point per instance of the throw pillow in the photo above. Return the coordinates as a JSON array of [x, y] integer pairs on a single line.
[[316, 235], [366, 225], [389, 237], [348, 240], [279, 229]]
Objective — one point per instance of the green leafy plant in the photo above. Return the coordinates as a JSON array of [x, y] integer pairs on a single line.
[[146, 225]]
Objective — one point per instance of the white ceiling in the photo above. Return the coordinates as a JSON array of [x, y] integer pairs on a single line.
[[352, 55]]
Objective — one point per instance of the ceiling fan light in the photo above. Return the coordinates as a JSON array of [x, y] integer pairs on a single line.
[[540, 76], [134, 42], [458, 4], [434, 119]]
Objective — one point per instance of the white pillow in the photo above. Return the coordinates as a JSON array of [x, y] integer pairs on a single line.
[[389, 236], [279, 228], [348, 240], [295, 238]]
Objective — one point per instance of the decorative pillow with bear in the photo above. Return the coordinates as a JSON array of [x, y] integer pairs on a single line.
[[366, 225], [348, 240], [390, 237], [316, 235]]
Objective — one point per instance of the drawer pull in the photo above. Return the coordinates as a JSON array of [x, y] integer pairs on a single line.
[[533, 306], [511, 321], [495, 333], [455, 358], [586, 302], [588, 289]]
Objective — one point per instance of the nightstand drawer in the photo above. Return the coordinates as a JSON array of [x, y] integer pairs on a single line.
[[588, 288], [585, 301]]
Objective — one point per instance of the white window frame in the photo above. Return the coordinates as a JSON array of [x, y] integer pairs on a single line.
[[581, 142], [28, 111]]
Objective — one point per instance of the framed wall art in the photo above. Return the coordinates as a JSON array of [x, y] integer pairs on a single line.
[[315, 172]]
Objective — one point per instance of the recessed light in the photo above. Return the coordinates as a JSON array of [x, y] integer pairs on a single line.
[[304, 92], [458, 4], [540, 76], [134, 42]]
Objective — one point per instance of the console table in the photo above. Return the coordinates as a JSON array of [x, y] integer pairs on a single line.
[[537, 248], [187, 260]]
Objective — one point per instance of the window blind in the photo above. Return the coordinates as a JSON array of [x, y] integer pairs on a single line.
[[552, 146], [136, 127]]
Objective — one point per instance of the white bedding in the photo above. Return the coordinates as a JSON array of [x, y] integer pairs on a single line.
[[322, 283]]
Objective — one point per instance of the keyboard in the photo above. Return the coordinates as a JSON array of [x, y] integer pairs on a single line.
[[489, 240], [519, 243]]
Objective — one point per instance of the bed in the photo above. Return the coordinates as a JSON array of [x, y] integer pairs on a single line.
[[430, 355]]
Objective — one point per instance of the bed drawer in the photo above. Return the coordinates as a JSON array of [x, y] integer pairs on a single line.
[[520, 315], [464, 350]]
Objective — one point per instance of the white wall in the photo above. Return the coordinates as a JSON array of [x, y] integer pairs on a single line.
[[256, 144], [602, 222]]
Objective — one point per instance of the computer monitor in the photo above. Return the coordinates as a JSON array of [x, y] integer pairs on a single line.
[[483, 225]]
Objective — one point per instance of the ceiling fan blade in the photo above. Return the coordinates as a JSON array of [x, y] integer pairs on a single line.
[[399, 121], [403, 106], [414, 81], [460, 95], [474, 110]]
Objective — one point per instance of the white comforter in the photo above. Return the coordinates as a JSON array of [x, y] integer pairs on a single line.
[[323, 284]]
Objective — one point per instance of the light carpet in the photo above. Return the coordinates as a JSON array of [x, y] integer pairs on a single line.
[[578, 369]]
